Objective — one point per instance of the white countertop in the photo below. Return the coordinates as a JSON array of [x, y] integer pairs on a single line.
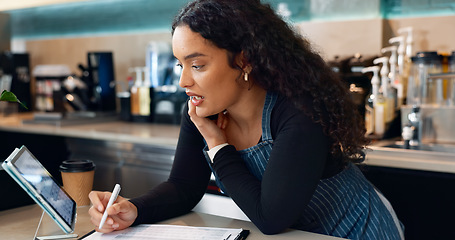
[[443, 162], [21, 223], [109, 130]]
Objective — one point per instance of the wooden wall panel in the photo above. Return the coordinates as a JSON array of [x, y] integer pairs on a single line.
[[128, 51], [330, 38]]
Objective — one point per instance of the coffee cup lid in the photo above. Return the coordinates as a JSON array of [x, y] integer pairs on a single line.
[[77, 166]]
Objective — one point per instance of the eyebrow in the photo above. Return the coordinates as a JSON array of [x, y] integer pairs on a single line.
[[193, 55]]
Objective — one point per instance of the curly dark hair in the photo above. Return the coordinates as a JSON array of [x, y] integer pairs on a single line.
[[282, 61]]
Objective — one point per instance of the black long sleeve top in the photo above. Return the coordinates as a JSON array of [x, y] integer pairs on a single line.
[[299, 159]]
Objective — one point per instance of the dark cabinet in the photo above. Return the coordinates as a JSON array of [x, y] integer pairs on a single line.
[[423, 200], [136, 167]]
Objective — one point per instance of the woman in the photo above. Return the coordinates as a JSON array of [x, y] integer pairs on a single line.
[[285, 138]]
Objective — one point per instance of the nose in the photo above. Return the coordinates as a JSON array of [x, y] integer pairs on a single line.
[[186, 79]]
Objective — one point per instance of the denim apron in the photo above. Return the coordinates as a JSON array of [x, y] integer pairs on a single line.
[[346, 205]]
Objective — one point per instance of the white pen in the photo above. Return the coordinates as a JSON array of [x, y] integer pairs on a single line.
[[114, 196]]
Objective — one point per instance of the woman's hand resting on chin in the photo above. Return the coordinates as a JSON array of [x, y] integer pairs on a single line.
[[212, 130]]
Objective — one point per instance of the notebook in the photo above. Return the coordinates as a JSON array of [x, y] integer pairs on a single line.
[[171, 232]]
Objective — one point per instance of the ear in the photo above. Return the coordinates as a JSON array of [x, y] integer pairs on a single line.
[[242, 62]]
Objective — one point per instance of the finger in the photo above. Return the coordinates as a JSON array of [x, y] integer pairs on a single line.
[[225, 120], [192, 112], [96, 218], [123, 215], [116, 208], [191, 109], [220, 120], [107, 226], [198, 121], [125, 210], [95, 215], [96, 199], [113, 212], [105, 229], [99, 200], [93, 211]]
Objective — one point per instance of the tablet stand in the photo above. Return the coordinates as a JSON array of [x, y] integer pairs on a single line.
[[48, 229]]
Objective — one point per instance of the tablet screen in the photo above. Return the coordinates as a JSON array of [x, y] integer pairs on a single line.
[[35, 174]]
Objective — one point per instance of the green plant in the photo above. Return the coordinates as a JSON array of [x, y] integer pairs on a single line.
[[10, 97]]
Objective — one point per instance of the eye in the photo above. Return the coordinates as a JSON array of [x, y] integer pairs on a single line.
[[197, 67], [179, 65]]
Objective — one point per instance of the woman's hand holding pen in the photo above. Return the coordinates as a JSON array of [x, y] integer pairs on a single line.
[[211, 130], [121, 214]]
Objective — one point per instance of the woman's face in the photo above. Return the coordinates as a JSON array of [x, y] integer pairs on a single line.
[[209, 79]]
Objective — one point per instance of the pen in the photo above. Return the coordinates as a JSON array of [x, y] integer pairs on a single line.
[[114, 195]]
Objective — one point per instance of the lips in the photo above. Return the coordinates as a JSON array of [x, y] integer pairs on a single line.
[[196, 100]]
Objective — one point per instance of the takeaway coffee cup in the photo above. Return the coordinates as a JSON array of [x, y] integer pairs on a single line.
[[77, 176]]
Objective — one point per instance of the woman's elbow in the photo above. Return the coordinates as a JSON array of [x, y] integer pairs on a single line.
[[270, 229]]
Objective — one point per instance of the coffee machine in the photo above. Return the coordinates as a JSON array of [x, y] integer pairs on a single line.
[[90, 95], [349, 69], [168, 98], [99, 79]]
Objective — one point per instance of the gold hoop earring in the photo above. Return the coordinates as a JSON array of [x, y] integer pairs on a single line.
[[245, 77]]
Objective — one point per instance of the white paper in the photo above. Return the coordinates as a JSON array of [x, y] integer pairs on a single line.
[[168, 232]]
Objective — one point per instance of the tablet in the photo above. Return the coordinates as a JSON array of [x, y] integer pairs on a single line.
[[28, 172]]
